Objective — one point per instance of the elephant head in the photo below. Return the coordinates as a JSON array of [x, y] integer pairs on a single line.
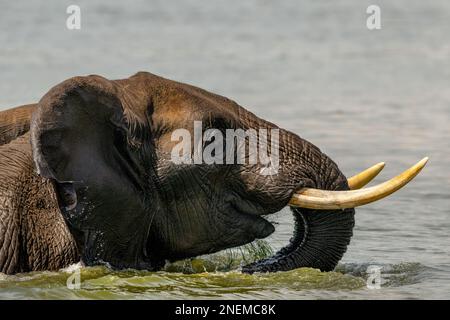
[[108, 148]]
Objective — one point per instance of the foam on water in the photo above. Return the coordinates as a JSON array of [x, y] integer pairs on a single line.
[[199, 278]]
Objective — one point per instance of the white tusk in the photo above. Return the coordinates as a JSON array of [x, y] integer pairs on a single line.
[[361, 179], [332, 200]]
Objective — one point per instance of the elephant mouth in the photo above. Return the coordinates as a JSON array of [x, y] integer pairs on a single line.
[[279, 261], [324, 221]]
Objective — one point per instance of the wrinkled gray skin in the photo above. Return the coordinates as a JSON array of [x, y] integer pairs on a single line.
[[96, 182]]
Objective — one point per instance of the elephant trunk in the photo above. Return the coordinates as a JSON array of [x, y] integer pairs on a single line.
[[320, 237]]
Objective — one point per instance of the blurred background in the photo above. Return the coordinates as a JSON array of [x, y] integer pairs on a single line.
[[311, 67]]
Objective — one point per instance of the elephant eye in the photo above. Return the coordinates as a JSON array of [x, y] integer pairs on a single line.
[[119, 137], [120, 142]]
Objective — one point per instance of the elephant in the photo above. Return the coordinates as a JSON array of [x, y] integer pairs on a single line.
[[86, 175]]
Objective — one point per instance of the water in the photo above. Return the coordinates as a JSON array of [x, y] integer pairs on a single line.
[[313, 68]]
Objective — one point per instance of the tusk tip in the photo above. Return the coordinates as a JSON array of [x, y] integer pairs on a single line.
[[380, 165], [361, 179], [423, 162]]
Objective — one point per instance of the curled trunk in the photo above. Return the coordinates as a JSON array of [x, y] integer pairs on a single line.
[[320, 237]]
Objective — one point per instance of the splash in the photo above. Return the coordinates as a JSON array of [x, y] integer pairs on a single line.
[[215, 276]]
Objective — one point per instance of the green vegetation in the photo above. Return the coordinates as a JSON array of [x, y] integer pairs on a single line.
[[226, 260]]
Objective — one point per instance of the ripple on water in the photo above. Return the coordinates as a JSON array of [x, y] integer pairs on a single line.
[[191, 279]]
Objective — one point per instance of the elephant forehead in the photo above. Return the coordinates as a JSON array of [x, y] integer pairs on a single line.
[[148, 98]]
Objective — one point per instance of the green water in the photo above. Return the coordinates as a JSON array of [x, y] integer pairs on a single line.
[[215, 276]]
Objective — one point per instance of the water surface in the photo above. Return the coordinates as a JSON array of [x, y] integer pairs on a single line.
[[311, 67]]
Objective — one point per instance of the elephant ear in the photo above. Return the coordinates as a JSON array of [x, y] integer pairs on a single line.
[[81, 140], [71, 126]]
